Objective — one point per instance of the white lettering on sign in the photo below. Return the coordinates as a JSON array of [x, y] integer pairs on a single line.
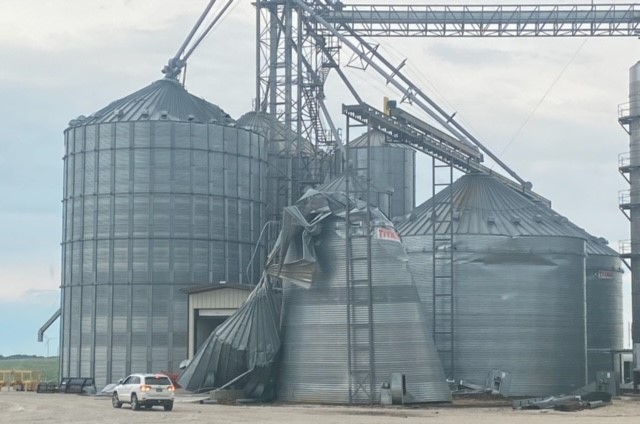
[[605, 275], [387, 234]]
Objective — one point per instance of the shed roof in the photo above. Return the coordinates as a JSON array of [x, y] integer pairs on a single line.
[[216, 286]]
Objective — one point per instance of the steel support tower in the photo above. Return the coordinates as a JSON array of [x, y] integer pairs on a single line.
[[299, 40], [629, 118]]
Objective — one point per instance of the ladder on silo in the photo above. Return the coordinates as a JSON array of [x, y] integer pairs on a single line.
[[359, 301], [442, 251]]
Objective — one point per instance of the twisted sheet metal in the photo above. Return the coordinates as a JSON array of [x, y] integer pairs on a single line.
[[241, 351], [314, 365]]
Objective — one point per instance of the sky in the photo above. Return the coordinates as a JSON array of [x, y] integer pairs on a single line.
[[548, 107]]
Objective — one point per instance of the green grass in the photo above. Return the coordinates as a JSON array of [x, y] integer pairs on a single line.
[[47, 366]]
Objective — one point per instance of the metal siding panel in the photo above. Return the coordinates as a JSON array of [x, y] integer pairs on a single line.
[[508, 290], [155, 224], [605, 328], [314, 365]]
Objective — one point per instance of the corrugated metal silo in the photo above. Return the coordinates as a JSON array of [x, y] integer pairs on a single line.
[[518, 287], [288, 154], [315, 348], [392, 165], [605, 323], [161, 191]]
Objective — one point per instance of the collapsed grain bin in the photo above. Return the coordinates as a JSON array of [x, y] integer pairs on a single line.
[[347, 329]]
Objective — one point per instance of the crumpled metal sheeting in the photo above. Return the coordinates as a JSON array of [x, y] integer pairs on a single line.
[[248, 341], [301, 223], [314, 364]]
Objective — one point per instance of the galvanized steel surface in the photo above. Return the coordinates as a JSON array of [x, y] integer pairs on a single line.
[[392, 168], [634, 212], [150, 207], [519, 287], [605, 329], [380, 197], [519, 306], [165, 99], [484, 205], [240, 351], [314, 364]]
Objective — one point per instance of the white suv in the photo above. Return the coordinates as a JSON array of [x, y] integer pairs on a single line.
[[144, 390]]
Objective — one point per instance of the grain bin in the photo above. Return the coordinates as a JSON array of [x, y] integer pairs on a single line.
[[291, 162], [392, 166], [161, 191], [518, 286], [319, 321]]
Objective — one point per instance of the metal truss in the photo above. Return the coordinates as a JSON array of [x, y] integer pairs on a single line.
[[593, 20]]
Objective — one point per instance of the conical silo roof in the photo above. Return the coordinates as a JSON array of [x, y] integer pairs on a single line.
[[376, 139], [484, 205], [260, 123], [165, 99]]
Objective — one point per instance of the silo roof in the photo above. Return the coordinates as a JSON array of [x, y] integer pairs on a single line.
[[376, 139], [260, 122], [484, 205], [165, 99]]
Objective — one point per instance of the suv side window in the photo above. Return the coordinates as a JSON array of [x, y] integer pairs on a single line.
[[127, 380], [135, 380]]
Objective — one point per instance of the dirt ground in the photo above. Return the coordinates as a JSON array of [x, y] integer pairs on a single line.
[[20, 407]]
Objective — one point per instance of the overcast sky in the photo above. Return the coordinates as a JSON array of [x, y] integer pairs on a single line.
[[64, 58]]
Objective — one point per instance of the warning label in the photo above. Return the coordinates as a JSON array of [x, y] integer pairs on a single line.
[[387, 234]]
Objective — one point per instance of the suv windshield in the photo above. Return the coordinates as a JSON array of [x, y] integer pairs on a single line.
[[157, 381]]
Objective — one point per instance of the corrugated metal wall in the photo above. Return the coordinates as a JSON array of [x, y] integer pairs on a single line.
[[314, 365], [392, 169], [604, 312], [519, 306], [150, 207]]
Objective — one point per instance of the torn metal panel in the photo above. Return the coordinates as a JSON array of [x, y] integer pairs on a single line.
[[241, 351]]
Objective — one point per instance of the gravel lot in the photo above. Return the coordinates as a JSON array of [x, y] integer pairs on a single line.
[[19, 407]]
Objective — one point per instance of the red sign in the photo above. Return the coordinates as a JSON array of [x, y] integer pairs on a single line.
[[387, 234]]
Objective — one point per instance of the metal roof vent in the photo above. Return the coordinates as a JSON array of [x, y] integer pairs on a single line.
[[118, 113], [73, 122], [145, 114], [164, 114], [537, 218], [213, 121], [491, 220], [81, 118], [603, 241], [515, 220], [191, 118], [456, 215]]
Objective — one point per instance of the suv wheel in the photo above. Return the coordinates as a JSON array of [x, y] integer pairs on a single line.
[[135, 405], [115, 402], [168, 407]]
